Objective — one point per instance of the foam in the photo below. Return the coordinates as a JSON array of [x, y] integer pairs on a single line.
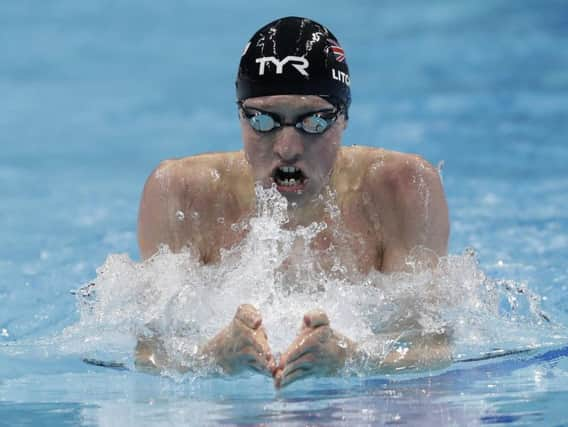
[[186, 303]]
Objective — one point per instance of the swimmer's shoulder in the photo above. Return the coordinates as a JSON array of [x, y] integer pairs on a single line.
[[184, 198], [203, 174], [394, 187], [386, 171], [204, 183]]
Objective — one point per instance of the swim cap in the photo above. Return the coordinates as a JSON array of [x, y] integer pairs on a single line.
[[294, 56]]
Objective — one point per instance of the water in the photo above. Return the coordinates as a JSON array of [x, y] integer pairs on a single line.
[[94, 95]]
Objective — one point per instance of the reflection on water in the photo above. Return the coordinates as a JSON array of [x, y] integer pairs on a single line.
[[467, 394]]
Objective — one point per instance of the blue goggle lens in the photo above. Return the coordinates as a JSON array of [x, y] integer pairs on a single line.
[[313, 123]]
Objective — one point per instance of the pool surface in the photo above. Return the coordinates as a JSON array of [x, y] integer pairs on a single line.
[[95, 94]]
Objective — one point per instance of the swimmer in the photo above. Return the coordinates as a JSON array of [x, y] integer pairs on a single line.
[[293, 100]]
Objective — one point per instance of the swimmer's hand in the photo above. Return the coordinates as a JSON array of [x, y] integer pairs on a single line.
[[317, 350], [242, 345]]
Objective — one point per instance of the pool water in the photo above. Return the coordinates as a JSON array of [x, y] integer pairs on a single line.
[[94, 95]]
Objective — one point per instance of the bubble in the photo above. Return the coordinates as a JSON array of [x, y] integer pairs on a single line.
[[440, 169], [240, 226]]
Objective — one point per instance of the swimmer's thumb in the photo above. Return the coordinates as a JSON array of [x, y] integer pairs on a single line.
[[249, 315], [315, 318]]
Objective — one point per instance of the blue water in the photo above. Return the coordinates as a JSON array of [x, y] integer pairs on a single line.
[[94, 95]]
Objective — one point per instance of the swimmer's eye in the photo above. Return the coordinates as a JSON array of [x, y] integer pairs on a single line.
[[317, 123], [313, 123], [261, 122]]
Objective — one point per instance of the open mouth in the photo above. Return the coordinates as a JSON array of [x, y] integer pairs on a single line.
[[289, 178]]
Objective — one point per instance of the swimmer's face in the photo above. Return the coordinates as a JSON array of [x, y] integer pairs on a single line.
[[299, 163]]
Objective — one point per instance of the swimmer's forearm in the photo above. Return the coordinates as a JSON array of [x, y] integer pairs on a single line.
[[150, 356], [416, 357]]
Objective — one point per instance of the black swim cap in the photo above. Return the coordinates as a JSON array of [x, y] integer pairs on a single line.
[[294, 56]]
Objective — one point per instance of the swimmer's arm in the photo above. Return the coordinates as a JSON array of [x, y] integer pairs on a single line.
[[429, 352], [157, 213], [243, 344], [409, 197], [171, 195], [150, 356], [425, 353], [320, 350]]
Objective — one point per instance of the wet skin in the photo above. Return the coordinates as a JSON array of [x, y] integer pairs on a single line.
[[391, 204], [243, 344], [317, 350], [314, 155]]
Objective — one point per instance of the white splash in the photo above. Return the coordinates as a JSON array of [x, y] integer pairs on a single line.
[[186, 303]]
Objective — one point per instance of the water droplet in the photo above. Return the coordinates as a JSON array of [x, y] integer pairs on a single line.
[[4, 332], [221, 220], [195, 215], [180, 216]]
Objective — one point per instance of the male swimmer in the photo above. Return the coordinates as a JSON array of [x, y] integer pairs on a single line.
[[293, 98]]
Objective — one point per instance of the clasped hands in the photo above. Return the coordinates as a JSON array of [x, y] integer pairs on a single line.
[[318, 350]]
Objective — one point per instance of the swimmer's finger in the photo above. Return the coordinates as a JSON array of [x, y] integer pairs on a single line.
[[257, 361], [308, 343], [260, 367], [247, 341], [316, 318], [272, 365], [249, 315], [264, 357], [296, 354], [277, 374], [258, 340], [306, 362], [295, 375], [241, 340]]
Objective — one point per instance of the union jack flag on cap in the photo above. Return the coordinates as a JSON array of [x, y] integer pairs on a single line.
[[337, 50]]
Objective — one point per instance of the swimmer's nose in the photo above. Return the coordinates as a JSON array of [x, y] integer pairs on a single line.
[[289, 145]]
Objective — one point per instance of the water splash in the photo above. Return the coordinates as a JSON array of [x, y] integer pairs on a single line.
[[177, 298]]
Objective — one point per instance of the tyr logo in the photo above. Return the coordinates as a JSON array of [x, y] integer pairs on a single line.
[[298, 62]]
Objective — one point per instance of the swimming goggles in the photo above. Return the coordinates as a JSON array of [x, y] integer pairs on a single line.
[[314, 123]]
